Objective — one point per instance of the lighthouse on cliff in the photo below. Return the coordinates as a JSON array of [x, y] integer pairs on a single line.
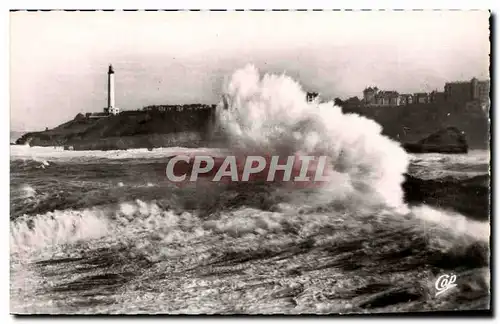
[[111, 108]]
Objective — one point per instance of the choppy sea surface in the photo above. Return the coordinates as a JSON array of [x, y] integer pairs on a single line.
[[104, 232]]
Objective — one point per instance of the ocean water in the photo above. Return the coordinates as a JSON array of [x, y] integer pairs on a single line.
[[15, 135], [456, 166], [105, 232]]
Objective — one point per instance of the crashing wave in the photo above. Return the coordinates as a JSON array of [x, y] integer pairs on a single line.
[[270, 115]]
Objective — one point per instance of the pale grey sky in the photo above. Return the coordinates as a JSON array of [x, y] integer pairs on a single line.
[[59, 59]]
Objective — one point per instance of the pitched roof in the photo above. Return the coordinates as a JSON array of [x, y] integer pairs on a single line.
[[390, 94]]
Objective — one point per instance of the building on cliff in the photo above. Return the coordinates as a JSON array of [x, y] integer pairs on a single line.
[[375, 97], [380, 98], [474, 92], [111, 109], [405, 99], [178, 108], [369, 95], [465, 91], [387, 98], [437, 97], [97, 115], [372, 96], [312, 97], [421, 98]]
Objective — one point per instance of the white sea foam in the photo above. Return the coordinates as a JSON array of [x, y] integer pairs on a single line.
[[53, 228], [453, 223], [270, 115], [46, 154]]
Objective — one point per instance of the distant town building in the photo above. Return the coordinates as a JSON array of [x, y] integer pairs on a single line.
[[437, 97], [405, 99], [312, 96], [473, 93], [458, 91], [97, 115], [177, 108], [372, 96], [465, 91], [421, 97], [480, 90], [387, 98], [369, 95]]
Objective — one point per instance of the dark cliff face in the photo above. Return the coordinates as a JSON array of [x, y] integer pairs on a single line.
[[412, 123], [469, 197]]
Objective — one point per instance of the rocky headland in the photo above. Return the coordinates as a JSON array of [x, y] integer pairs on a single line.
[[425, 128], [189, 127]]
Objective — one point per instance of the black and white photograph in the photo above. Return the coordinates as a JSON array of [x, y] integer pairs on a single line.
[[243, 162]]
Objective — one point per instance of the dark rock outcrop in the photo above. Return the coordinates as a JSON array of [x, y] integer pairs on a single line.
[[469, 197], [448, 140]]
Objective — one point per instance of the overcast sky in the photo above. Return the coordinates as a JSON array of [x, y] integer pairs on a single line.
[[59, 59]]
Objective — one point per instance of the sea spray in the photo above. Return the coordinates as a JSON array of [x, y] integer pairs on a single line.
[[58, 227], [269, 115], [454, 223]]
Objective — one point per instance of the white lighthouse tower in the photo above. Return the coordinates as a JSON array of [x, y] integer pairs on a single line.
[[111, 108]]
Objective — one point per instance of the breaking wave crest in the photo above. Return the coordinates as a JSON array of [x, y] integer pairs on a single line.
[[270, 115], [133, 218], [54, 228]]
